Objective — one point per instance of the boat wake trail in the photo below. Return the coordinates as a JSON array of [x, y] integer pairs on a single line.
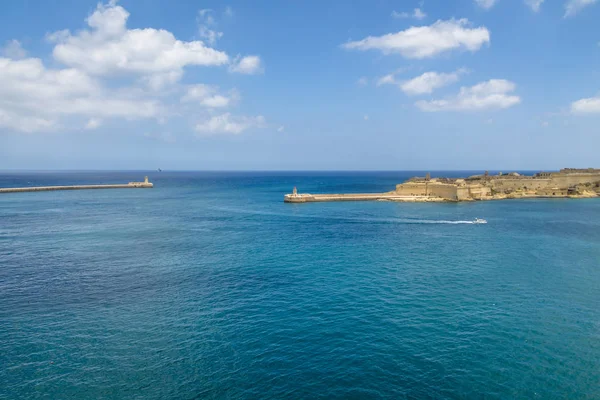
[[425, 221]]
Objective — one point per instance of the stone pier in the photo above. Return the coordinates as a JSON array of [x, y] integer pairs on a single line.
[[130, 185]]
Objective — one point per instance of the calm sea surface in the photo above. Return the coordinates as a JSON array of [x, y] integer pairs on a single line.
[[208, 286]]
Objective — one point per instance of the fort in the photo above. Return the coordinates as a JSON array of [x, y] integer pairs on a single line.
[[566, 183], [130, 185]]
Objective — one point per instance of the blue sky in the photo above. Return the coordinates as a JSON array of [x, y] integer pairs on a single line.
[[327, 85]]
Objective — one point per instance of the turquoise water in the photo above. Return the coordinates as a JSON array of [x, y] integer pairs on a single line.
[[209, 286]]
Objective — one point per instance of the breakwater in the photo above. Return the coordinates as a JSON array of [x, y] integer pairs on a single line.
[[130, 185], [391, 196]]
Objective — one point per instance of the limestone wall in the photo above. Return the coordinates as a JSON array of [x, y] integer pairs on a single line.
[[427, 189], [501, 185], [444, 191], [478, 192], [412, 189], [573, 179]]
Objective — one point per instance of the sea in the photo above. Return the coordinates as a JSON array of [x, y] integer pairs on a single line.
[[209, 286]]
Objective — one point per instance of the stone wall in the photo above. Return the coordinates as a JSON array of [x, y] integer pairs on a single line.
[[412, 189], [449, 192], [573, 179], [433, 189], [511, 185], [478, 192]]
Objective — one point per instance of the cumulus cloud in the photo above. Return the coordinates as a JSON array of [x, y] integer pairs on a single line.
[[534, 4], [486, 4], [93, 123], [205, 23], [416, 14], [14, 50], [108, 47], [590, 105], [209, 96], [426, 41], [572, 7], [429, 81], [493, 94], [248, 65], [388, 79], [33, 97], [228, 124]]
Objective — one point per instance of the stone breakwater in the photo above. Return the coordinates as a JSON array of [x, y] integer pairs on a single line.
[[566, 183], [130, 185], [390, 196]]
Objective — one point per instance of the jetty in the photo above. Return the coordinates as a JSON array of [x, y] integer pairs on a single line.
[[566, 183], [131, 185], [390, 196]]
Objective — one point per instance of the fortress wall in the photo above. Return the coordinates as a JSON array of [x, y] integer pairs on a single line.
[[444, 191], [519, 184], [411, 189], [463, 193], [429, 189], [554, 181], [478, 191], [572, 180]]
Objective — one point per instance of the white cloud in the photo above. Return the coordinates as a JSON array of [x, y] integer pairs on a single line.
[[427, 41], [228, 11], [388, 79], [28, 124], [396, 14], [14, 50], [205, 22], [572, 7], [366, 117], [34, 98], [487, 4], [416, 14], [586, 106], [534, 4], [429, 81], [227, 124], [58, 36], [209, 96], [419, 14], [281, 129], [492, 94], [108, 47], [248, 65], [93, 123]]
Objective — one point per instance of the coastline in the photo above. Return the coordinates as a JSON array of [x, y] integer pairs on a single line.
[[568, 183]]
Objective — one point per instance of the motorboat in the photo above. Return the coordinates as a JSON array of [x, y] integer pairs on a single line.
[[479, 221]]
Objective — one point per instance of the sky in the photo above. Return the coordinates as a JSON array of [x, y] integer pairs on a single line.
[[299, 85]]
